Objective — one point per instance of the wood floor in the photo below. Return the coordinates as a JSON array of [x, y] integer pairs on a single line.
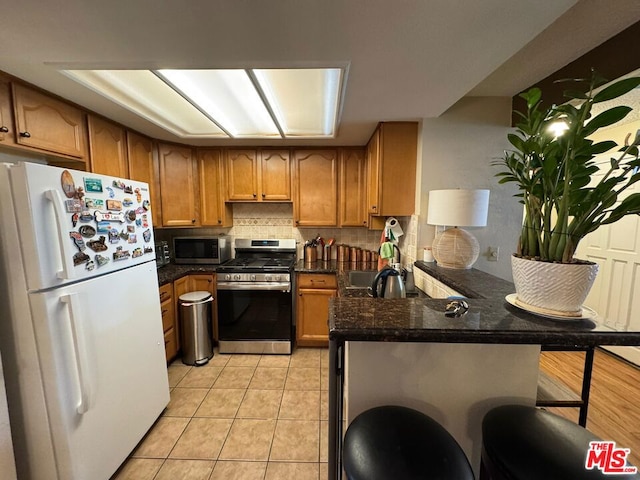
[[614, 405]]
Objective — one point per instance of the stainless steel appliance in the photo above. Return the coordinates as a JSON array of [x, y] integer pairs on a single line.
[[388, 284], [255, 299], [202, 250], [163, 256]]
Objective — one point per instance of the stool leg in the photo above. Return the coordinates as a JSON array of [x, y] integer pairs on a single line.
[[484, 473]]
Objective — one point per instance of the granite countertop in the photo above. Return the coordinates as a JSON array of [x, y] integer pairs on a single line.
[[490, 319], [172, 272]]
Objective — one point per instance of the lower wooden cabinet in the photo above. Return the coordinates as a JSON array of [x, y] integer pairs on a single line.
[[169, 324], [312, 310]]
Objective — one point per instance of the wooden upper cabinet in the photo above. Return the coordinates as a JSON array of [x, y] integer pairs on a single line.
[[213, 209], [178, 186], [353, 188], [275, 175], [46, 123], [315, 200], [142, 168], [7, 134], [391, 161], [242, 175], [107, 148], [373, 177], [258, 175]]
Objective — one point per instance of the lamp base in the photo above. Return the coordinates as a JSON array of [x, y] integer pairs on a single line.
[[455, 248]]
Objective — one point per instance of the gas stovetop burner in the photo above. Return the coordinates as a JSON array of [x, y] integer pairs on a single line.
[[256, 256]]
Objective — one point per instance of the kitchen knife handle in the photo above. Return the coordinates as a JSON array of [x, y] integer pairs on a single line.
[[55, 198], [79, 352]]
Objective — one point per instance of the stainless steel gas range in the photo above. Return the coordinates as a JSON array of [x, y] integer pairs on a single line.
[[255, 297]]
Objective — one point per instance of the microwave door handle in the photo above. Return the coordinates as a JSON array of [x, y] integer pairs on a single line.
[[54, 197]]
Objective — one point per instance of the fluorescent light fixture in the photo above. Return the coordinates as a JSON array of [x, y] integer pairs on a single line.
[[143, 93], [237, 103], [293, 94]]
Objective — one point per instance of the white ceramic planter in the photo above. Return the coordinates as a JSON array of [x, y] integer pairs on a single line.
[[554, 288]]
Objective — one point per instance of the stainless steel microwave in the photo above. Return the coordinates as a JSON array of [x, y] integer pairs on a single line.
[[202, 250]]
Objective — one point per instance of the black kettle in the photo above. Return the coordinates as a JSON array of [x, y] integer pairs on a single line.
[[388, 284]]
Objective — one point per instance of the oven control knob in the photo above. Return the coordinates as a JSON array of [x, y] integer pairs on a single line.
[[236, 276], [276, 278], [267, 278], [253, 278], [227, 277]]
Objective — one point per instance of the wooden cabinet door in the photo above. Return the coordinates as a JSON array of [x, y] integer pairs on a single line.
[[7, 133], [48, 124], [177, 186], [353, 188], [397, 174], [242, 175], [167, 309], [373, 173], [107, 148], [213, 209], [315, 188], [275, 175], [142, 168], [312, 321]]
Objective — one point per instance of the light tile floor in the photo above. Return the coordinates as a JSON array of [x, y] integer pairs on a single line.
[[244, 417]]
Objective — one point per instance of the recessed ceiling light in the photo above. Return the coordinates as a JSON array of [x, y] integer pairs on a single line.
[[237, 103]]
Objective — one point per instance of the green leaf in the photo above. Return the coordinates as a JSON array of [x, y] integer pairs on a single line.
[[617, 89], [532, 97], [606, 118], [602, 147], [516, 141], [574, 94]]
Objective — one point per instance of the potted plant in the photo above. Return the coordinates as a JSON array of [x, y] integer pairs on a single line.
[[565, 194]]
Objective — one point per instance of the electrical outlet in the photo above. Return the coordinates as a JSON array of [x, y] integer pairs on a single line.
[[494, 253]]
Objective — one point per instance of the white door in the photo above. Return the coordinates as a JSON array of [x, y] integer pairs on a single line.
[[101, 349], [111, 224], [616, 292]]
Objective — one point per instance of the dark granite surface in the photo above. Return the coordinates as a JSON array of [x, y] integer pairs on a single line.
[[172, 272], [490, 318]]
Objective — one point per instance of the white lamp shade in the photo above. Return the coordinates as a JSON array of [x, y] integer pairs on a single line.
[[458, 208]]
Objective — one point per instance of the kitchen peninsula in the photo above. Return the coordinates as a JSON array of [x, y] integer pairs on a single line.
[[406, 352]]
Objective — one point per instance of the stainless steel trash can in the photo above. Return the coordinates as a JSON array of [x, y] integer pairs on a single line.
[[196, 336]]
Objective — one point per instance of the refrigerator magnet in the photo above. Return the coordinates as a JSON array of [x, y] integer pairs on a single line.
[[73, 205], [92, 185], [136, 253], [120, 254], [138, 195], [133, 238], [68, 185], [148, 249], [78, 240], [98, 245], [86, 216], [101, 260], [79, 258], [111, 193], [131, 216], [118, 184], [146, 235], [74, 219], [127, 202], [128, 189], [124, 234], [87, 231], [104, 227], [114, 236], [90, 265]]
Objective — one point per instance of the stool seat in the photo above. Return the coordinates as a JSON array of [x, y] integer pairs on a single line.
[[399, 443], [525, 443]]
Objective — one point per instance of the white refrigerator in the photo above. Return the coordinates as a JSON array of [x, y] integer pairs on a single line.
[[81, 333]]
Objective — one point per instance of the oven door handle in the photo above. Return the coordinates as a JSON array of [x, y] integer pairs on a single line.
[[279, 286]]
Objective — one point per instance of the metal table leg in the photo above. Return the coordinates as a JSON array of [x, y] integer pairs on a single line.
[[336, 385], [586, 386]]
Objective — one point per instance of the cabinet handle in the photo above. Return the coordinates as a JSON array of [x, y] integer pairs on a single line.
[[374, 207], [219, 221], [264, 195], [193, 220], [254, 195], [25, 134], [297, 221], [319, 281], [164, 311], [3, 129]]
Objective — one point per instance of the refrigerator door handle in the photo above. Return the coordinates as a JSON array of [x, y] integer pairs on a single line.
[[78, 350], [55, 198]]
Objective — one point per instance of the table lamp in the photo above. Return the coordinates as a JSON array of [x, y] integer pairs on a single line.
[[455, 247]]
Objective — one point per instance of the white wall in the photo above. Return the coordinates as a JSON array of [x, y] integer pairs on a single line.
[[457, 151]]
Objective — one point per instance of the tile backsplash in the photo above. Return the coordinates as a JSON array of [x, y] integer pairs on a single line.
[[275, 220]]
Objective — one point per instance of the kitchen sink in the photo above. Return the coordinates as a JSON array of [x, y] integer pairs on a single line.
[[361, 278]]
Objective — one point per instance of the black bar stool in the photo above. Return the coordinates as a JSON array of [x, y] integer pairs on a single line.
[[400, 443], [526, 443]]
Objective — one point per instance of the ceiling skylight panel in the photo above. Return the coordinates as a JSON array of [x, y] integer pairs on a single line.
[[143, 93], [227, 96], [304, 101]]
